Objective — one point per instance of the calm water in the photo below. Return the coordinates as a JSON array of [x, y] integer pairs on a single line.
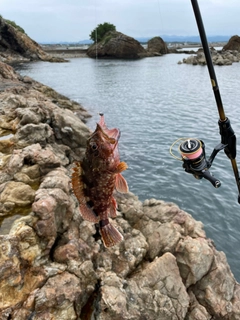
[[155, 101]]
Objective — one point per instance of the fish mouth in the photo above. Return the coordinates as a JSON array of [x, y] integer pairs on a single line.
[[111, 136]]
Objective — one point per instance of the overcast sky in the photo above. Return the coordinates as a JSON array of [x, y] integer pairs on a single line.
[[73, 20]]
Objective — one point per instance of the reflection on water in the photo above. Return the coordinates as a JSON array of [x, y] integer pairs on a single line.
[[155, 101]]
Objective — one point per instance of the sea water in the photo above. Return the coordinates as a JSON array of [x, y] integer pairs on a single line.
[[154, 101]]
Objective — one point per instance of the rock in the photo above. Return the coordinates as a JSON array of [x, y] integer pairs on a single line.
[[157, 46], [194, 258], [15, 194], [53, 264], [233, 44], [196, 310], [218, 297], [15, 45], [220, 58], [156, 292], [117, 45]]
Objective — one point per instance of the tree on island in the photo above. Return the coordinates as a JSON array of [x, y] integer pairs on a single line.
[[99, 32]]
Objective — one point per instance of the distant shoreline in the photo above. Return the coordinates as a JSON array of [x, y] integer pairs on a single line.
[[65, 51]]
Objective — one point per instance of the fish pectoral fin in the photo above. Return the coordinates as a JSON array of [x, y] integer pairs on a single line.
[[121, 184], [110, 235], [87, 213], [112, 208], [121, 167]]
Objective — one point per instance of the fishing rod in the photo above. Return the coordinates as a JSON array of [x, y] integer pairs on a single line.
[[193, 150]]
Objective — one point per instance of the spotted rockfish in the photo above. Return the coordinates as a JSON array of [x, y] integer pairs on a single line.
[[95, 178]]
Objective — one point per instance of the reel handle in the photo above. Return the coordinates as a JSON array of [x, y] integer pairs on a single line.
[[215, 182]]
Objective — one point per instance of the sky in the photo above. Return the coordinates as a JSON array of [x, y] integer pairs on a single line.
[[73, 20]]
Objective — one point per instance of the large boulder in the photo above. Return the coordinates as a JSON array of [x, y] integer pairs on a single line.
[[157, 46], [117, 45], [233, 43], [16, 45]]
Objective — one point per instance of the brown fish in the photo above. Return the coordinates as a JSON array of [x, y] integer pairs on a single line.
[[95, 178]]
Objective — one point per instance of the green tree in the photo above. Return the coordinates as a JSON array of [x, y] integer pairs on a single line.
[[99, 32], [13, 23]]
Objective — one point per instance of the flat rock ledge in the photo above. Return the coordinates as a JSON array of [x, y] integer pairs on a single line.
[[53, 264], [219, 58]]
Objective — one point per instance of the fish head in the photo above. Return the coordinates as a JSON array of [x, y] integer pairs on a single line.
[[102, 147]]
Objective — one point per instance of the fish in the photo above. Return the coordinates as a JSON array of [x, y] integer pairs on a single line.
[[95, 178]]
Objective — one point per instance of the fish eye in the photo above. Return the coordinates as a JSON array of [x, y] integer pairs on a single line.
[[94, 146]]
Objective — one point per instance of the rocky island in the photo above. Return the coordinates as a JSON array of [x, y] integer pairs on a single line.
[[120, 46], [53, 264], [229, 54]]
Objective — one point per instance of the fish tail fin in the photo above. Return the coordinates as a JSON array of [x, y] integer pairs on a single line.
[[110, 235]]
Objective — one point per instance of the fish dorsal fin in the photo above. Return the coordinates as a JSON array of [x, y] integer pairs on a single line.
[[121, 184], [77, 184], [78, 188], [87, 213]]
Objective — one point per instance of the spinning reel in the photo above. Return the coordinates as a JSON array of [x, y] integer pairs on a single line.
[[195, 162], [194, 157]]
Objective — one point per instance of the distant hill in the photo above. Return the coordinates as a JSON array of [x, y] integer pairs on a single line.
[[175, 38], [166, 38], [85, 42]]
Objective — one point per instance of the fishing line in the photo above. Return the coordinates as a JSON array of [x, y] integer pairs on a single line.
[[96, 28], [160, 16]]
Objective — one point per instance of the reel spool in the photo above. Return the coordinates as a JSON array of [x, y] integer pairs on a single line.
[[191, 149]]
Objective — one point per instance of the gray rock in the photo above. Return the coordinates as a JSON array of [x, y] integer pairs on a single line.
[[220, 58], [233, 44], [117, 45], [157, 45], [53, 264]]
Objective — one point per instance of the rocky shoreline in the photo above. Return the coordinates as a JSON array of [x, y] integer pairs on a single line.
[[53, 264]]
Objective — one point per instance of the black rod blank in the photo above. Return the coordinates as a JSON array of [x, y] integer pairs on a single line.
[[227, 134], [208, 59]]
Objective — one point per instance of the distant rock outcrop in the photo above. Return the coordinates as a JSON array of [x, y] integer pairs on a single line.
[[17, 46], [220, 58], [157, 46], [117, 45], [233, 44]]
